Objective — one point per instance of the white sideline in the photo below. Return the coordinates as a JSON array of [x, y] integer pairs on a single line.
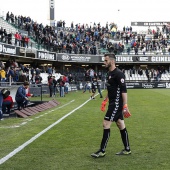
[[11, 154]]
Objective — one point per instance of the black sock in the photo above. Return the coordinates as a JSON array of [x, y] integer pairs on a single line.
[[106, 135], [125, 139]]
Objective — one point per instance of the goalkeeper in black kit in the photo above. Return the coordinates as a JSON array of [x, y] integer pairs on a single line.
[[117, 108]]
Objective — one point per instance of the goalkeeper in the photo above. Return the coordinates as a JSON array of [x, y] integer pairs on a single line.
[[117, 107]]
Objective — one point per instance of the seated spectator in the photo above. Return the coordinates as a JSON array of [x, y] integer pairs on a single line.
[[3, 95], [20, 97]]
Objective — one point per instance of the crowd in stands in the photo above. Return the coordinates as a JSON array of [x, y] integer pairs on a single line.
[[78, 39], [16, 73], [88, 39]]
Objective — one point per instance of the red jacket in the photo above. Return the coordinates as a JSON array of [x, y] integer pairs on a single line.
[[9, 99], [17, 36]]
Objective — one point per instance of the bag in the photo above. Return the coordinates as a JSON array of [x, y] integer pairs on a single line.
[[5, 93]]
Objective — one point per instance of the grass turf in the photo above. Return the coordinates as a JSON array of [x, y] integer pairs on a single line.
[[68, 145]]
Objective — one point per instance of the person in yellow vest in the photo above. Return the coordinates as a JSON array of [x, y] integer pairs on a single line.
[[2, 75]]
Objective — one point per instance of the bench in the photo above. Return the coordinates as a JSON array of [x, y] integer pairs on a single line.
[[32, 110]]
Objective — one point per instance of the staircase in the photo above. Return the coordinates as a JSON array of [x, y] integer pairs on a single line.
[[12, 29], [9, 28]]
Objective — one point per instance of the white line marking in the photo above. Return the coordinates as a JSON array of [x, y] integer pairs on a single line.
[[29, 119], [11, 154], [23, 123]]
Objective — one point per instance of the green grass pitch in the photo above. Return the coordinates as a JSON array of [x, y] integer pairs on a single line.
[[68, 145]]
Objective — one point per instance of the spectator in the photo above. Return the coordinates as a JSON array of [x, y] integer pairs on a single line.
[[66, 87], [54, 86], [7, 105], [4, 93], [87, 86], [3, 76], [26, 41], [61, 84], [128, 50], [20, 97], [50, 85], [38, 79], [17, 39]]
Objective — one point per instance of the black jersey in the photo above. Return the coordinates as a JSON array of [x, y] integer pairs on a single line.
[[115, 82], [94, 84]]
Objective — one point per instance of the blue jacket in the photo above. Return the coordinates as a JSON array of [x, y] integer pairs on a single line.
[[21, 93]]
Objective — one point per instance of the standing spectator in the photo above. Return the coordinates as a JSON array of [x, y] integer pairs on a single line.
[[99, 87], [70, 78], [26, 41], [66, 87], [16, 38], [61, 84], [144, 50], [37, 71], [7, 16], [147, 73], [87, 86], [9, 38], [5, 36], [49, 70], [1, 34], [91, 72], [54, 86], [3, 76], [23, 41], [128, 50], [50, 85], [38, 79], [136, 50], [93, 88]]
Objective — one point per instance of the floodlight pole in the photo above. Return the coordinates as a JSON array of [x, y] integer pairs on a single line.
[[52, 12]]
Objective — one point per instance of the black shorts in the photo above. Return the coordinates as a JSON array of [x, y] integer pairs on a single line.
[[93, 90], [113, 113]]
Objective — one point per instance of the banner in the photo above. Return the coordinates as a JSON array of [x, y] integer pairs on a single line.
[[150, 23], [46, 55], [147, 85], [7, 49], [78, 58], [141, 59]]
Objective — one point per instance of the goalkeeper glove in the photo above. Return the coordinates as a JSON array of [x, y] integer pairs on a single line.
[[126, 112], [103, 105]]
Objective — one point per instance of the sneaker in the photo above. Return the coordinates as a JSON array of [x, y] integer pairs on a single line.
[[124, 152], [93, 98], [98, 154], [101, 96], [2, 119]]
